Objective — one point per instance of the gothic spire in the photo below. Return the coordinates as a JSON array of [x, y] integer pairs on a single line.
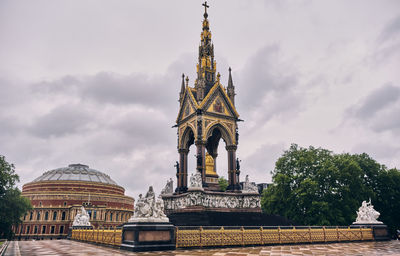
[[231, 89], [182, 89], [206, 67]]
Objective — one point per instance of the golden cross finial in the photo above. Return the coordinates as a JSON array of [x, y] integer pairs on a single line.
[[205, 9], [205, 6]]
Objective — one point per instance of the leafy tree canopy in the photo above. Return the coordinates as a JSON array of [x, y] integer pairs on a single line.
[[223, 183], [314, 186], [13, 206]]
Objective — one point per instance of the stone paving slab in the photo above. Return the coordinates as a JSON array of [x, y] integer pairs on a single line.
[[68, 247]]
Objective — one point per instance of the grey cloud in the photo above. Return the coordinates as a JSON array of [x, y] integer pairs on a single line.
[[267, 81], [61, 121], [112, 88], [377, 100], [262, 161], [391, 30], [133, 89], [379, 110], [387, 45], [154, 91], [378, 150], [67, 84]]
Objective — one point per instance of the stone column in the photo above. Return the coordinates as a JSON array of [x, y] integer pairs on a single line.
[[181, 175], [214, 156], [232, 178], [201, 159], [184, 166]]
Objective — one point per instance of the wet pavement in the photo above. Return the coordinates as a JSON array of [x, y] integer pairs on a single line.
[[68, 247]]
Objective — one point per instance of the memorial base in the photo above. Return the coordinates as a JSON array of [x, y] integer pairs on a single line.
[[148, 236], [379, 231]]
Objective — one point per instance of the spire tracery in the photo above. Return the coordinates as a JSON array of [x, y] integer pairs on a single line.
[[206, 67]]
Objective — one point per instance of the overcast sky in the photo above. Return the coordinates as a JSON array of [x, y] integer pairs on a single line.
[[97, 82]]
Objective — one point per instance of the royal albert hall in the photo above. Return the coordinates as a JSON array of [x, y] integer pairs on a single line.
[[58, 195]]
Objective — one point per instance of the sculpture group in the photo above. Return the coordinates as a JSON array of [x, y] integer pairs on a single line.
[[81, 219], [249, 187], [367, 214], [149, 208], [169, 188]]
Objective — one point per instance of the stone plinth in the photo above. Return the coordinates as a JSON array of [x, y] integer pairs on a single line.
[[148, 236], [379, 230]]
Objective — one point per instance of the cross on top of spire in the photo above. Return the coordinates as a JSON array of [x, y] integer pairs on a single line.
[[205, 9]]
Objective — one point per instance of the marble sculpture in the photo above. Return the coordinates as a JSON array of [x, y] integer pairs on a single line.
[[367, 214], [249, 187], [169, 188], [81, 218], [149, 208]]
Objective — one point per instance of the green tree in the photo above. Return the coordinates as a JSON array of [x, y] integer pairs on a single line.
[[13, 206], [313, 186], [223, 183], [388, 198]]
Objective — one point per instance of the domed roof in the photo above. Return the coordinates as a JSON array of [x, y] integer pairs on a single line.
[[78, 172]]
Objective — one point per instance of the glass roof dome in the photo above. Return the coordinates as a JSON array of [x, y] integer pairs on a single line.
[[78, 172]]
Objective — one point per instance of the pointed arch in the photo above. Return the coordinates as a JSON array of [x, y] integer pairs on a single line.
[[225, 135], [187, 138]]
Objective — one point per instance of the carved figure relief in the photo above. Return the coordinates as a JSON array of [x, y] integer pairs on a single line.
[[199, 198], [196, 181]]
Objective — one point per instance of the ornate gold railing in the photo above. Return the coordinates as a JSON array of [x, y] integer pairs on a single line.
[[212, 236], [237, 236], [100, 236]]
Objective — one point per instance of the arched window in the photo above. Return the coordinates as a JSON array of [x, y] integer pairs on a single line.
[[38, 216], [46, 216], [116, 217], [63, 216], [94, 214], [54, 215], [111, 216], [31, 216]]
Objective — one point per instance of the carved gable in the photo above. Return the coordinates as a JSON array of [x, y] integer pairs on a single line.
[[187, 107], [218, 102]]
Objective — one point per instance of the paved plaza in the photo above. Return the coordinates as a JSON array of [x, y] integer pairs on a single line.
[[67, 247]]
